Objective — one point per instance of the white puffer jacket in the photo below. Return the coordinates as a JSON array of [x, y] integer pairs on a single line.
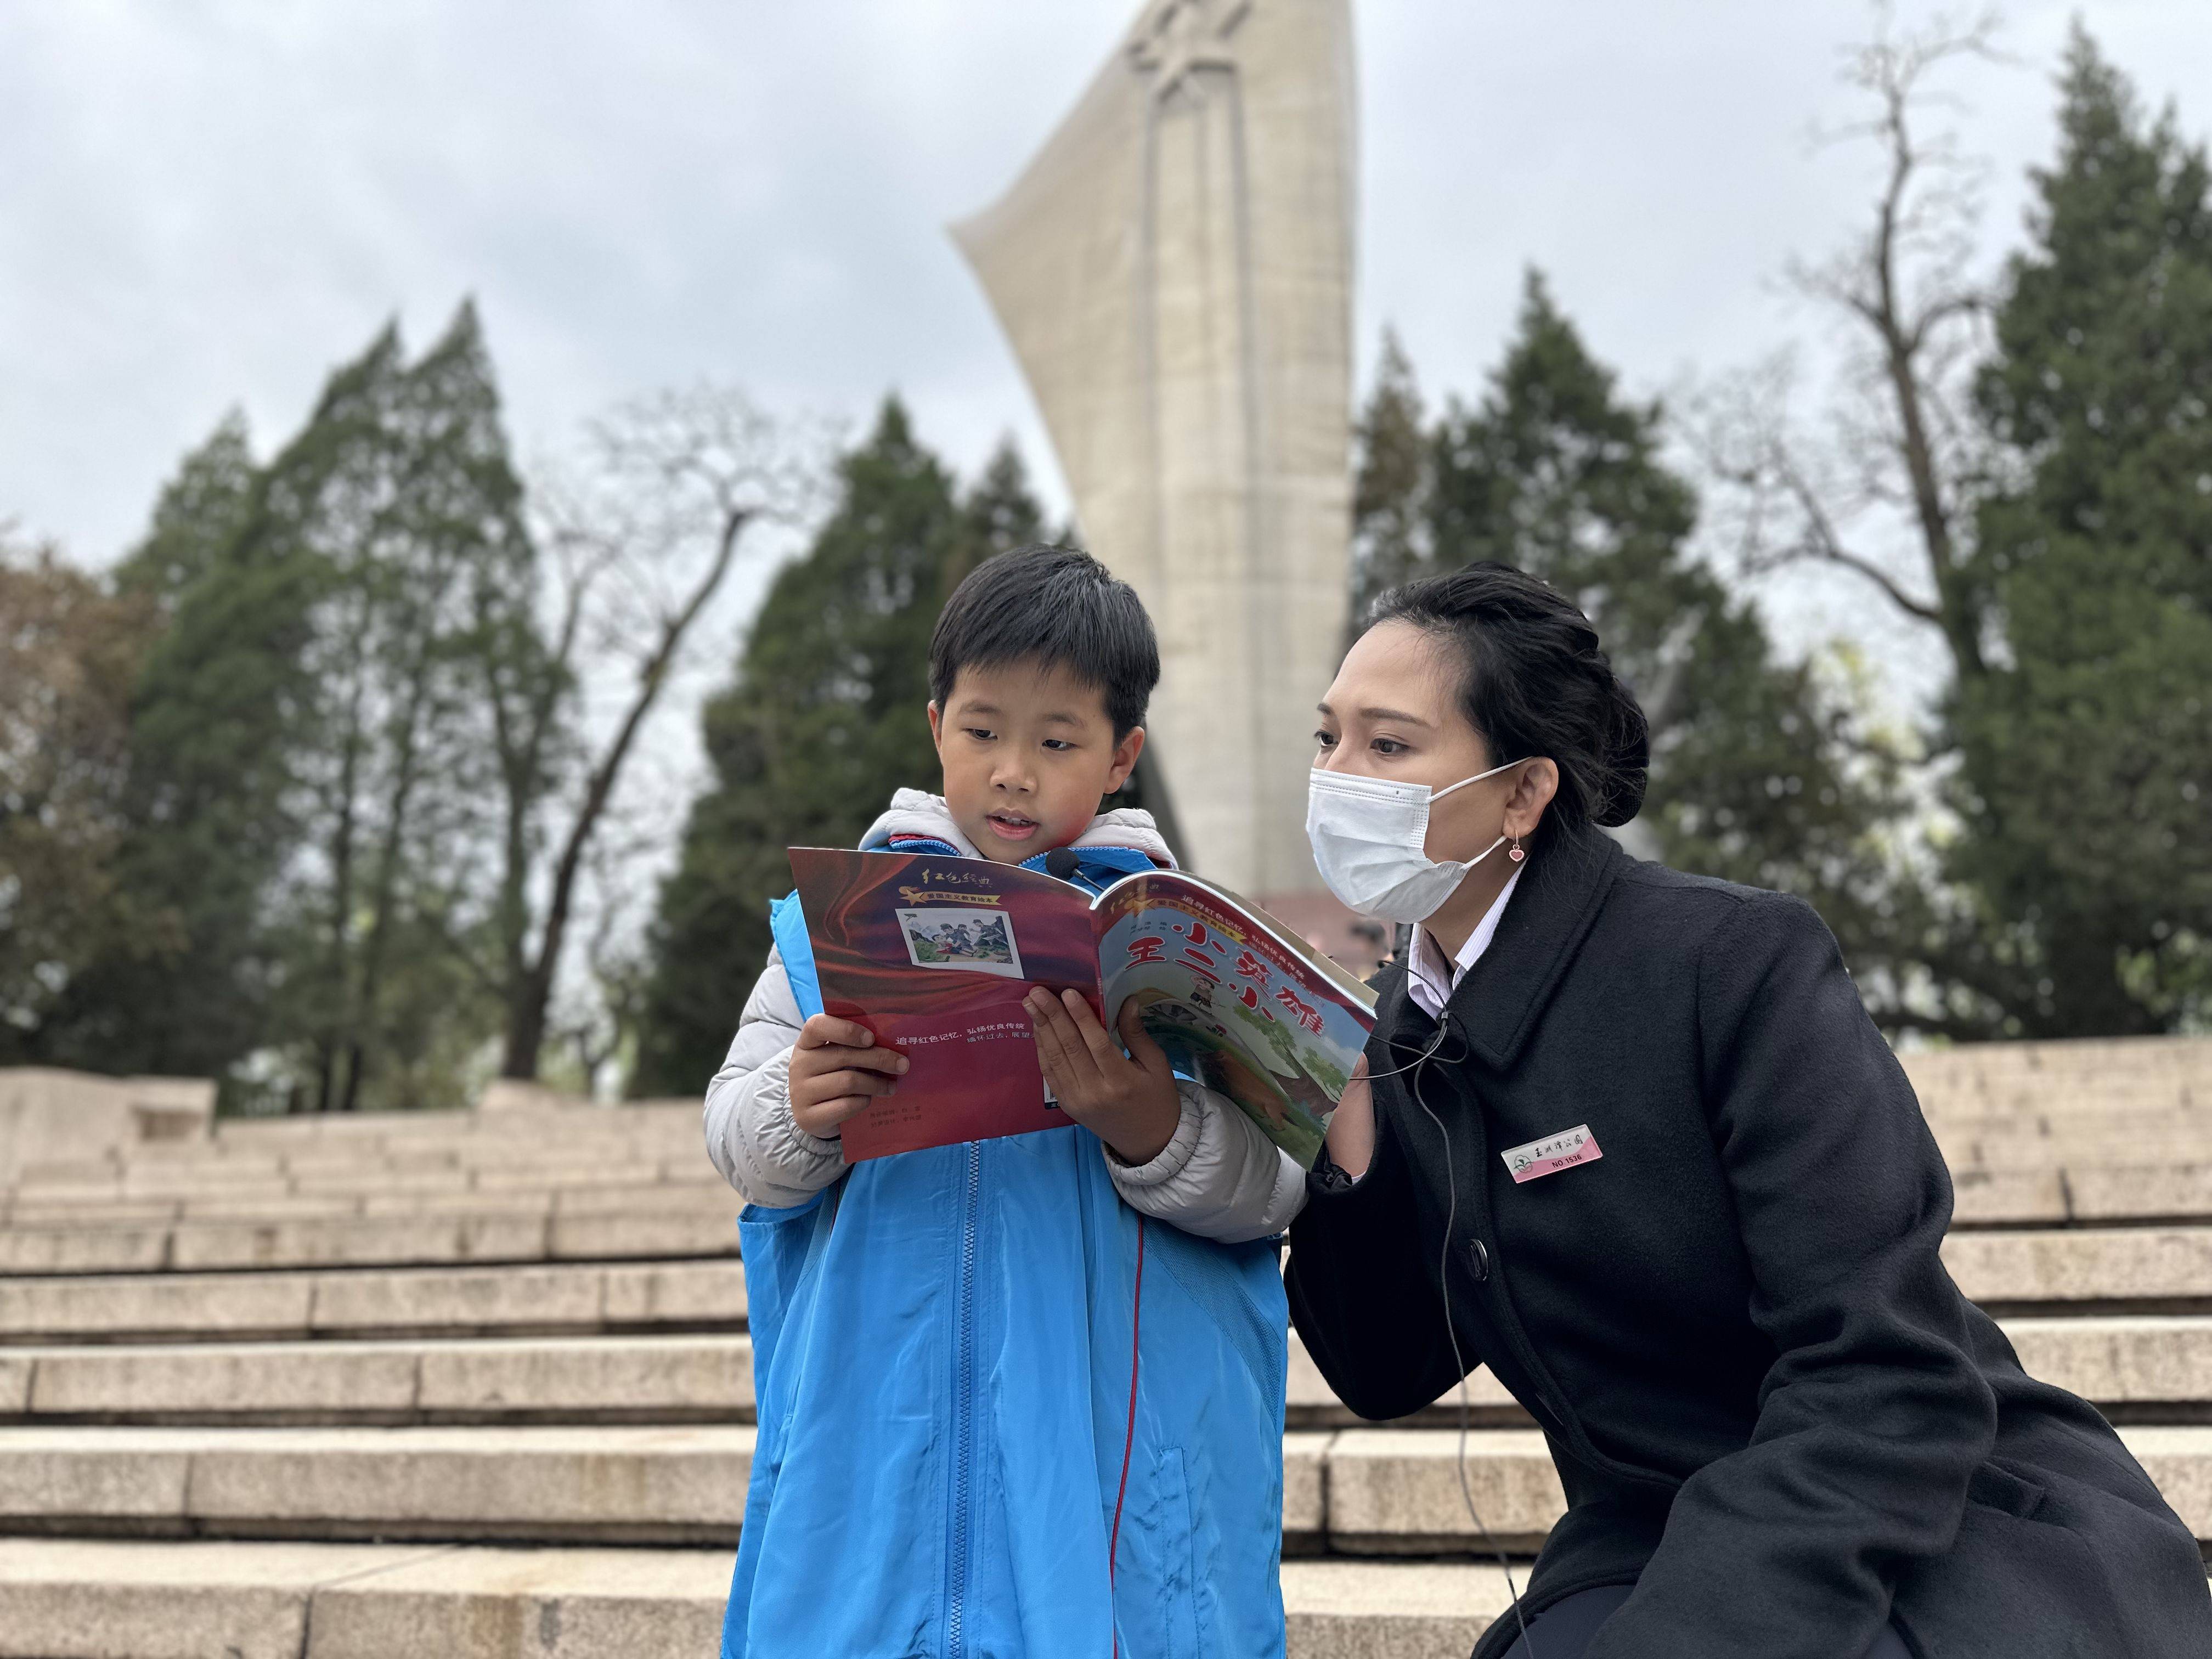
[[1219, 1177]]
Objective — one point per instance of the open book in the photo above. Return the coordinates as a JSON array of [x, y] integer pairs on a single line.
[[933, 955]]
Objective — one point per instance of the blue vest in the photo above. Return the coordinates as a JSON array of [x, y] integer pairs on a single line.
[[942, 1359]]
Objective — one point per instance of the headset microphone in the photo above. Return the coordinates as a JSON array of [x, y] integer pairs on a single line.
[[1064, 862]]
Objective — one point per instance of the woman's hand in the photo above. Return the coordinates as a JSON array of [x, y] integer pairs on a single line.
[[1351, 1138], [1128, 1101], [836, 1071]]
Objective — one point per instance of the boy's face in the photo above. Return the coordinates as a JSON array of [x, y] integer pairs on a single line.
[[1027, 752]]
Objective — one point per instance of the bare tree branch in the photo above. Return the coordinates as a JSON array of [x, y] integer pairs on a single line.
[[1892, 463], [645, 529]]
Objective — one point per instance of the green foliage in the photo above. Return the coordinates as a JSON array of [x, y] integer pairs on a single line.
[[2084, 784], [200, 513], [213, 719], [310, 779], [69, 651], [1390, 489], [398, 497], [824, 721], [1757, 773]]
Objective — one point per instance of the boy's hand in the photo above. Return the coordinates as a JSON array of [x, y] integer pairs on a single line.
[[836, 1069], [1128, 1101]]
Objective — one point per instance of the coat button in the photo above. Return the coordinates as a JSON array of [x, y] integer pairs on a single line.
[[1477, 1259]]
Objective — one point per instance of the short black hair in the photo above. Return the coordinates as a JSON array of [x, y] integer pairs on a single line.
[[1058, 608]]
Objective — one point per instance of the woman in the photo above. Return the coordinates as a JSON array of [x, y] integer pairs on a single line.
[[1631, 1142]]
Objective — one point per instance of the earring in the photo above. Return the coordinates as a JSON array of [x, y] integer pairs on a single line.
[[1515, 852]]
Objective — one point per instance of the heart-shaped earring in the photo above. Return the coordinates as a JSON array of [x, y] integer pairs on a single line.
[[1515, 852]]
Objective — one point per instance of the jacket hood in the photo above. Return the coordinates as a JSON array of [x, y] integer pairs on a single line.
[[917, 812]]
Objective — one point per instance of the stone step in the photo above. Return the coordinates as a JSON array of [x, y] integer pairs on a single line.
[[2045, 1193], [2067, 1058], [670, 1228], [655, 1379], [2150, 1268], [2082, 1144], [181, 1184], [665, 1121], [1397, 1491], [74, 1598], [2141, 1368], [1355, 1491], [2081, 1195], [674, 1484], [2058, 1099], [2111, 1269], [440, 1302], [618, 1190]]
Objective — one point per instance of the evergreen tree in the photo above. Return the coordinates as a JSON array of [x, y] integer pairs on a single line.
[[199, 513], [2085, 781], [1753, 775], [399, 496], [1001, 512], [1390, 487], [214, 718], [310, 776], [825, 719], [69, 651]]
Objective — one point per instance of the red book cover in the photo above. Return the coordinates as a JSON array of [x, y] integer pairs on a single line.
[[933, 955]]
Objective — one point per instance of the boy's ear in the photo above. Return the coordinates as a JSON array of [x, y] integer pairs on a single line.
[[1125, 757], [936, 728]]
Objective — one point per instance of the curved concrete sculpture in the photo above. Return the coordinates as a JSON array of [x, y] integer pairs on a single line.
[[1173, 270]]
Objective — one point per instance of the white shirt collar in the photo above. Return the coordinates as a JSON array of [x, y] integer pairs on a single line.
[[1426, 977]]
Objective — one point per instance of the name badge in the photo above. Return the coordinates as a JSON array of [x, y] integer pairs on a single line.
[[1552, 1153]]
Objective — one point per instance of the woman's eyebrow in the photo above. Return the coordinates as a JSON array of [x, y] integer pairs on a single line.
[[1398, 714]]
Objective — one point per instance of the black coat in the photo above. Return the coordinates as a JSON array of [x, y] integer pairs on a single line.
[[1770, 1406]]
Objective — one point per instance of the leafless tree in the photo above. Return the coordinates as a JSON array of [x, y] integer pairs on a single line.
[[642, 531], [1885, 482]]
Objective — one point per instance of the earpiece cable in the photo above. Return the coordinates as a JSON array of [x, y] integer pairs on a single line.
[[1451, 1331]]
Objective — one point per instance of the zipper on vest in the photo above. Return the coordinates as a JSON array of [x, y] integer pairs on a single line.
[[963, 1412]]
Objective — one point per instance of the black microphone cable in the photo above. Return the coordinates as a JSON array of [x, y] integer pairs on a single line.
[[1451, 1332]]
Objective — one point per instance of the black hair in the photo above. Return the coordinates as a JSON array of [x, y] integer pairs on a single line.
[[1058, 608], [1534, 682]]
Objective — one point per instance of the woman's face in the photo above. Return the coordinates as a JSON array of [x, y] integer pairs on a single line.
[[1394, 712]]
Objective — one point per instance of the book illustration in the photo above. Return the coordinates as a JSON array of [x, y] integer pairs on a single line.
[[955, 936], [1235, 1013], [933, 955]]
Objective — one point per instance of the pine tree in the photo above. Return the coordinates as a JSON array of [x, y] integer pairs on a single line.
[[2086, 782], [399, 496], [200, 513], [215, 723], [1390, 487], [309, 780], [825, 719]]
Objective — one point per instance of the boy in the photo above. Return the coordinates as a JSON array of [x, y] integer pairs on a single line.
[[985, 1428]]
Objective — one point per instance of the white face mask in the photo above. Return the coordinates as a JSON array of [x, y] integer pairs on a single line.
[[1370, 840]]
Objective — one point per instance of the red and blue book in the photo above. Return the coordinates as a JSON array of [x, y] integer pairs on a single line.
[[934, 954]]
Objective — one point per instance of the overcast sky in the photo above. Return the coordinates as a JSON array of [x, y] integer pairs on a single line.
[[204, 204]]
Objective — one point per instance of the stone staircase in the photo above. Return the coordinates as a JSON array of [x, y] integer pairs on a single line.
[[479, 1387]]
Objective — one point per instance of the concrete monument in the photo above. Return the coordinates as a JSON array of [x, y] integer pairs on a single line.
[[1174, 270]]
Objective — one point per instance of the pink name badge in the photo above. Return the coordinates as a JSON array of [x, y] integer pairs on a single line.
[[1552, 1153]]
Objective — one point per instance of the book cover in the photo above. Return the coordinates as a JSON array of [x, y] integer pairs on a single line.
[[934, 954]]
